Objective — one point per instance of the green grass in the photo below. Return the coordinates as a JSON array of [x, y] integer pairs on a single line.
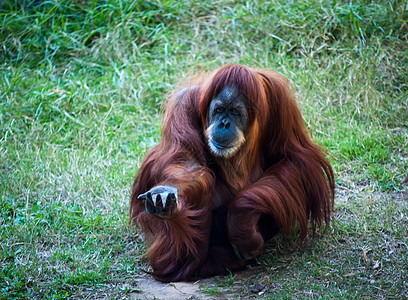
[[81, 88]]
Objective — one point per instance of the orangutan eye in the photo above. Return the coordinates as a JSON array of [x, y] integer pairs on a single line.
[[235, 111]]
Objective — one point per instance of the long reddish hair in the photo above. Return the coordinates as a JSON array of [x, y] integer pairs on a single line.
[[278, 179]]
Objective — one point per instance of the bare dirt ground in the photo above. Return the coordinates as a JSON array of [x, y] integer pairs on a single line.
[[152, 289], [209, 288]]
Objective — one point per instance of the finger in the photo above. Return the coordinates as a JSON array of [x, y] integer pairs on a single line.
[[150, 206], [171, 203], [154, 199]]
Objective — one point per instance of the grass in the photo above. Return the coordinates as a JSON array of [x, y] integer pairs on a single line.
[[81, 87]]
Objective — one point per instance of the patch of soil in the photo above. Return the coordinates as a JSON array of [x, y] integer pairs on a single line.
[[153, 289], [218, 287]]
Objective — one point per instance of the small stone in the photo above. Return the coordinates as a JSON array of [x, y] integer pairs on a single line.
[[257, 287]]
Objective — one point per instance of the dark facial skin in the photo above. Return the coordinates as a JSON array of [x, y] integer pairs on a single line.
[[227, 121]]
